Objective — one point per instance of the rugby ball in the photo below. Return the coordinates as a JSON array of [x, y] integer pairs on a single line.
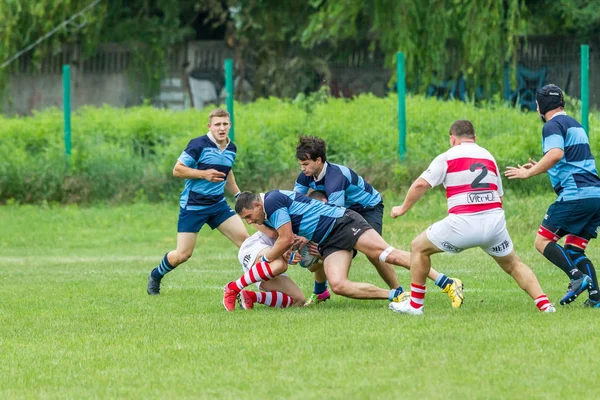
[[307, 259]]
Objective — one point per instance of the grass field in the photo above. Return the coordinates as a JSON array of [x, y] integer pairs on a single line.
[[76, 322]]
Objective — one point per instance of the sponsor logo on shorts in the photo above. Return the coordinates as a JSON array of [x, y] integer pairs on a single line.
[[480, 197], [501, 247], [355, 231], [246, 260], [451, 247]]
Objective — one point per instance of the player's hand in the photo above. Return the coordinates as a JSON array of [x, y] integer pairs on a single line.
[[212, 175], [288, 254], [313, 250], [528, 165], [398, 211], [520, 171], [299, 242]]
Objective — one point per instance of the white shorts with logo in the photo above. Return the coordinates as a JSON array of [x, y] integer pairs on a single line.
[[250, 250], [458, 232]]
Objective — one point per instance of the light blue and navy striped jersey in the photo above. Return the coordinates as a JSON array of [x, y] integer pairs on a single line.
[[344, 187], [202, 153], [575, 175], [310, 218]]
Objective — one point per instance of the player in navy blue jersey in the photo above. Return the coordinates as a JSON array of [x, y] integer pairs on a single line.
[[345, 188], [336, 230], [205, 164], [576, 211]]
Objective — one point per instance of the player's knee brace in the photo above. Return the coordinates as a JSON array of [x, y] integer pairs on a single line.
[[385, 253]]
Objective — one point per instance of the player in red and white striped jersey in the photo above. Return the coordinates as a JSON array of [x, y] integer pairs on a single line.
[[476, 218]]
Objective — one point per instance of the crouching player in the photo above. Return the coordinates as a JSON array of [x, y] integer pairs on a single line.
[[279, 291], [476, 219]]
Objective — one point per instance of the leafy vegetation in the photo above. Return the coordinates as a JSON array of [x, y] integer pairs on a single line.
[[276, 40], [123, 155]]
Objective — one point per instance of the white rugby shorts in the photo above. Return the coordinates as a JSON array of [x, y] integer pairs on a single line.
[[250, 250], [458, 232]]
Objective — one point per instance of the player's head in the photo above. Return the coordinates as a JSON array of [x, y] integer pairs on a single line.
[[549, 98], [318, 195], [462, 130], [250, 208], [219, 123], [311, 153]]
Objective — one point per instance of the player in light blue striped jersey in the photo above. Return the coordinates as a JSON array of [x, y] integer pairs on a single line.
[[336, 230], [576, 212], [205, 164]]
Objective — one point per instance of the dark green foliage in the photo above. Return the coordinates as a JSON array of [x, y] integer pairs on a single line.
[[123, 155]]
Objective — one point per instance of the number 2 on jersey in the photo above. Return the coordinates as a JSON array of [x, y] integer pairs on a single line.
[[476, 184]]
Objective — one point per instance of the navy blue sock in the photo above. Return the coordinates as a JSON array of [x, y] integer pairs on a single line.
[[584, 265], [558, 256], [320, 287], [395, 293], [442, 281], [163, 268]]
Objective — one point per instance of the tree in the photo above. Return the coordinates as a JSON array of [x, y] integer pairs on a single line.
[[484, 33]]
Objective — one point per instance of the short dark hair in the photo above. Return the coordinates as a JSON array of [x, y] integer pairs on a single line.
[[311, 148], [318, 195], [245, 201], [463, 128]]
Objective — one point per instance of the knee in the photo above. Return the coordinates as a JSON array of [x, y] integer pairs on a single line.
[[278, 266], [416, 246], [181, 256], [339, 287], [541, 243], [299, 300]]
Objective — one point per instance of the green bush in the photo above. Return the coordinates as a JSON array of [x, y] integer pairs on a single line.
[[122, 155]]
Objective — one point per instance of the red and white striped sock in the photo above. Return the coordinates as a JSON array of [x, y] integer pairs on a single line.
[[259, 273], [273, 299], [542, 302], [417, 295]]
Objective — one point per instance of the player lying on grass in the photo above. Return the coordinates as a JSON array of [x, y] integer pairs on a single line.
[[476, 219], [336, 230], [345, 188]]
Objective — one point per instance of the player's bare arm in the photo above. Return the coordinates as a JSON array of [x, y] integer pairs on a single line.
[[550, 159], [283, 243], [270, 232], [231, 184], [182, 171], [416, 191]]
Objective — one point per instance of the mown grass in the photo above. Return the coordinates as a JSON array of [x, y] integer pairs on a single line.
[[75, 321]]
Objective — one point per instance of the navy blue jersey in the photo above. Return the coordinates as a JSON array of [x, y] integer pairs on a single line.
[[310, 218], [575, 175], [202, 153], [344, 187]]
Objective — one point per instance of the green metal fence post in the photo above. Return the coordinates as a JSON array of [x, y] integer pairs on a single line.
[[401, 86], [585, 98], [67, 112], [229, 90]]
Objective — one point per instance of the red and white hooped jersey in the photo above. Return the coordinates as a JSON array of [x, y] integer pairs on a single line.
[[470, 175]]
